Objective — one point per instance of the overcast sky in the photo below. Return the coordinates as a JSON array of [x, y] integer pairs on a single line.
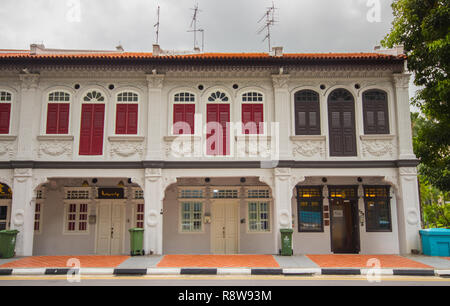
[[229, 25]]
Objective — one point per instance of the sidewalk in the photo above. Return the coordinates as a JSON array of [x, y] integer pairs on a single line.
[[228, 265]]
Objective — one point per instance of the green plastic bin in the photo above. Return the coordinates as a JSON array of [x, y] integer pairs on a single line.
[[137, 241], [286, 241], [8, 243]]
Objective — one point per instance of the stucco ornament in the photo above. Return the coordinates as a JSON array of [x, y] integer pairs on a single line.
[[7, 149], [280, 81], [55, 148], [412, 217], [378, 148], [284, 218], [309, 149], [29, 80], [152, 218], [19, 217], [126, 149]]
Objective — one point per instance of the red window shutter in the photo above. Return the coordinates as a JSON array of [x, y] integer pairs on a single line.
[[121, 119], [52, 119], [247, 116], [252, 113], [179, 116], [63, 120], [224, 119], [5, 114], [97, 129], [132, 121], [258, 118], [212, 141], [86, 129], [190, 117]]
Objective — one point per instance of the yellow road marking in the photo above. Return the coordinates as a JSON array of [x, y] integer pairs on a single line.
[[228, 277]]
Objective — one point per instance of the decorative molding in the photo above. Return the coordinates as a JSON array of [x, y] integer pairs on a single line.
[[190, 145], [408, 171], [378, 146], [55, 146], [280, 81], [155, 81], [309, 147], [401, 80], [29, 80], [126, 146], [7, 147], [254, 146]]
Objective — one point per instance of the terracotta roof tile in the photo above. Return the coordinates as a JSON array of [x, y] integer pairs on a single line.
[[11, 54]]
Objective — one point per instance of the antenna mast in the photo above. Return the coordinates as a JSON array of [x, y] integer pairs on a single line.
[[194, 26], [269, 17], [157, 27]]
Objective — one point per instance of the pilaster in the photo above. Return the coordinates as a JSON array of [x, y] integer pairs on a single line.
[[155, 122], [282, 107]]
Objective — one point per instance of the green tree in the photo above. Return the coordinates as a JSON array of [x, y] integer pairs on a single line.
[[423, 28]]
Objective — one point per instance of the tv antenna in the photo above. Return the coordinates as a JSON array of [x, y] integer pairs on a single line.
[[157, 26], [270, 21], [193, 26]]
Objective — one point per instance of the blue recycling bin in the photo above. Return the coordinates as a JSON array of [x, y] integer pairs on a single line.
[[436, 241]]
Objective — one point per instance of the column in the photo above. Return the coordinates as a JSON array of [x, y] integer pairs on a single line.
[[29, 105], [22, 211], [403, 116], [408, 210], [155, 120], [283, 192], [282, 113], [153, 197]]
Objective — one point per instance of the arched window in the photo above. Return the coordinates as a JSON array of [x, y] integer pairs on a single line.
[[252, 113], [5, 111], [58, 109], [218, 96], [184, 113], [127, 113], [376, 114], [341, 122], [307, 113], [92, 124]]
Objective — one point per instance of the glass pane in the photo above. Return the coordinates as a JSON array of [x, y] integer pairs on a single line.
[[3, 212], [347, 119], [301, 119], [312, 119], [370, 118], [335, 120]]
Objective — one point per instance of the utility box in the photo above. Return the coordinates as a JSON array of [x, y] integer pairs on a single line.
[[436, 241]]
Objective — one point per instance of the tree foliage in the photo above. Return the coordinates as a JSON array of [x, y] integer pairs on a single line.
[[423, 28]]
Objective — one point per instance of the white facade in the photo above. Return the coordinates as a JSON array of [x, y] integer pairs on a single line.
[[32, 160]]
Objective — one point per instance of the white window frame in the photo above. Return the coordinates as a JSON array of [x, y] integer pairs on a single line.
[[173, 103], [39, 201], [7, 203], [11, 111], [266, 199], [224, 189], [77, 201], [135, 201], [263, 102], [126, 102], [180, 214]]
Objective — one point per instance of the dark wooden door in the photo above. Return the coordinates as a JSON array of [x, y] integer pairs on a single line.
[[344, 226], [341, 120]]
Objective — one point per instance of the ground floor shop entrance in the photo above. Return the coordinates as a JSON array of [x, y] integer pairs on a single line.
[[344, 219], [111, 228], [225, 229]]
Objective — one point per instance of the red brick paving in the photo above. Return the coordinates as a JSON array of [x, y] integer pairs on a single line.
[[218, 261], [86, 261], [360, 261]]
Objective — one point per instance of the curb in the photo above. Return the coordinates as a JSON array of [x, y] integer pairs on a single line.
[[221, 271]]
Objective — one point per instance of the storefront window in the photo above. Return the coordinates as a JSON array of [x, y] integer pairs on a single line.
[[191, 216], [258, 216], [310, 203], [378, 208]]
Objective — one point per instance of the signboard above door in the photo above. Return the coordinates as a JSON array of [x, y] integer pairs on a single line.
[[111, 193]]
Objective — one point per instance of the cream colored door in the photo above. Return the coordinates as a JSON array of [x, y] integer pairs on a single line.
[[225, 228], [110, 228]]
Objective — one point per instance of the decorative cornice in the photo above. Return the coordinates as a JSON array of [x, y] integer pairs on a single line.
[[155, 81], [280, 81], [401, 80]]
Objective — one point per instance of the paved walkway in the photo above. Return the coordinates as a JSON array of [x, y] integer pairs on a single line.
[[229, 261]]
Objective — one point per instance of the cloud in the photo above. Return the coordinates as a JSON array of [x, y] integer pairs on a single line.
[[230, 26]]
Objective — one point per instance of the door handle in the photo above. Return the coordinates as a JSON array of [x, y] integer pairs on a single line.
[[223, 232], [112, 232]]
